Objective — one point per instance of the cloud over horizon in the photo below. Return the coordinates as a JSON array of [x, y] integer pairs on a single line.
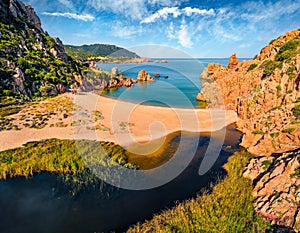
[[83, 17], [175, 12]]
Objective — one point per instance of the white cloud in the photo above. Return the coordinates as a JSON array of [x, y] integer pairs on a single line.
[[83, 17], [171, 31], [124, 31], [184, 36], [175, 12], [163, 13], [189, 11], [67, 3]]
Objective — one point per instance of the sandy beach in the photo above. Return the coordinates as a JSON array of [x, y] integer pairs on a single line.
[[121, 122]]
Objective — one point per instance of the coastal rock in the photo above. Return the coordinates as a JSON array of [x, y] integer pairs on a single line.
[[145, 77], [18, 84], [265, 94], [276, 188], [114, 72], [200, 97], [32, 16], [233, 62]]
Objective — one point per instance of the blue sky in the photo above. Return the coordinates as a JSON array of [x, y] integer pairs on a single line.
[[206, 28]]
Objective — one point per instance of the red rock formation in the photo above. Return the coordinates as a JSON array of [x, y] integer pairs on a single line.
[[144, 76], [265, 92]]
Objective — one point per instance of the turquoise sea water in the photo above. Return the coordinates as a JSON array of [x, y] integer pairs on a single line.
[[178, 90]]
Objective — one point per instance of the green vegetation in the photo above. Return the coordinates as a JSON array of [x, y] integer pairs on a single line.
[[100, 50], [288, 51], [266, 164], [80, 55], [296, 174], [228, 208], [291, 72], [252, 67], [32, 52], [270, 66], [258, 132], [288, 130], [275, 135], [57, 156], [296, 111], [202, 104]]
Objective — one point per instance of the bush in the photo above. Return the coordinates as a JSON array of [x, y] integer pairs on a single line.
[[296, 111], [258, 132], [288, 50], [289, 130], [275, 134], [252, 67], [291, 72], [270, 66]]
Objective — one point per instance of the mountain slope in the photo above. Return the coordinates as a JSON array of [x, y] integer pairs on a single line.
[[103, 50], [32, 63]]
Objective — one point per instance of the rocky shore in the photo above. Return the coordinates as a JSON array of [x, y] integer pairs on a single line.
[[265, 94]]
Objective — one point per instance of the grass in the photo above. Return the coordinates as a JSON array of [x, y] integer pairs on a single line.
[[228, 208], [55, 156]]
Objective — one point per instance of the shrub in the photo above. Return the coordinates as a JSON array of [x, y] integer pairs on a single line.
[[291, 72], [296, 111], [252, 67], [288, 130], [258, 132], [266, 164], [270, 67], [275, 134], [288, 50]]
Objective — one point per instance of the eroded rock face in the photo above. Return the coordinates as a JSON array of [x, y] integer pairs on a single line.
[[32, 16], [276, 188], [264, 102], [265, 92]]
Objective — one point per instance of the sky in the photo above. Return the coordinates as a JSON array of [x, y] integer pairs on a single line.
[[204, 28]]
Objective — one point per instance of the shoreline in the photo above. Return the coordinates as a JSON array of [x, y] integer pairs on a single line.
[[128, 123]]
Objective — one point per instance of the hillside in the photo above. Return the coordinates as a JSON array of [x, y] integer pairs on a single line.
[[32, 64], [100, 50], [265, 93]]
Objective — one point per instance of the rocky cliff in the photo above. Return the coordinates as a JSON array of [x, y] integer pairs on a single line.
[[31, 62], [265, 93]]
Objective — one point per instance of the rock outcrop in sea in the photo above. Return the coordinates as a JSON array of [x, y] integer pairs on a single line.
[[145, 77], [265, 93]]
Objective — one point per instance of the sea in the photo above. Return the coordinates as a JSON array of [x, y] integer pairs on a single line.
[[178, 90]]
